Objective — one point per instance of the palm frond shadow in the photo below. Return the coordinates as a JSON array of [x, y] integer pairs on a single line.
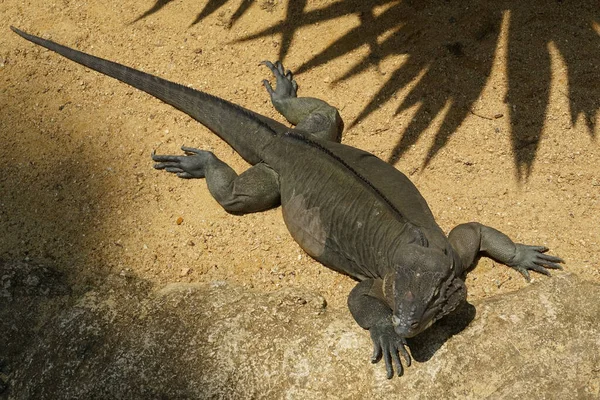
[[154, 9], [450, 48], [210, 8]]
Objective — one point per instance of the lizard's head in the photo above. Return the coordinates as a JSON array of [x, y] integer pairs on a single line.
[[423, 292]]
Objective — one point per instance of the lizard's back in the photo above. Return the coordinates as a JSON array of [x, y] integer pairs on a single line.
[[347, 208]]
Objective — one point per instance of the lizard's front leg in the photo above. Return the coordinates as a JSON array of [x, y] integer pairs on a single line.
[[371, 312], [194, 164], [256, 189], [470, 239]]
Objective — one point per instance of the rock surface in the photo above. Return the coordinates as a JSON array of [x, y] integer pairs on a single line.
[[126, 340]]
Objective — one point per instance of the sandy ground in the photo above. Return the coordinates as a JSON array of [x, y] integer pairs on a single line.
[[491, 110]]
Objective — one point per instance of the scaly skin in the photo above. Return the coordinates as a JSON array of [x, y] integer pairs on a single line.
[[345, 207]]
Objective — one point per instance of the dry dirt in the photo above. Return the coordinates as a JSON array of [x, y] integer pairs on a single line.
[[500, 91]]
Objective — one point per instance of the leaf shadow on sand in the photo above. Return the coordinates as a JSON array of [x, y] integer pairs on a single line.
[[210, 8], [449, 50]]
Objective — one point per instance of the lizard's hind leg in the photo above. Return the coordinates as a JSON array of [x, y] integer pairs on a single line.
[[256, 189], [311, 116]]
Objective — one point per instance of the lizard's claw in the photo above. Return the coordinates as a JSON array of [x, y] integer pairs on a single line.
[[285, 87], [387, 344], [190, 165], [534, 258]]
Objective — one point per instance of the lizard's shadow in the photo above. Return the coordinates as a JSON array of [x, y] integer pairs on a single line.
[[424, 346]]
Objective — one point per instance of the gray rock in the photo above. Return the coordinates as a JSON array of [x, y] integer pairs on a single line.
[[185, 341]]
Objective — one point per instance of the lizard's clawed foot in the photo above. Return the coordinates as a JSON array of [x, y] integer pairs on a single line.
[[534, 258], [190, 165], [387, 344], [286, 86]]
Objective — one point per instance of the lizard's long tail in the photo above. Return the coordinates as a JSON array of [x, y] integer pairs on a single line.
[[246, 131]]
